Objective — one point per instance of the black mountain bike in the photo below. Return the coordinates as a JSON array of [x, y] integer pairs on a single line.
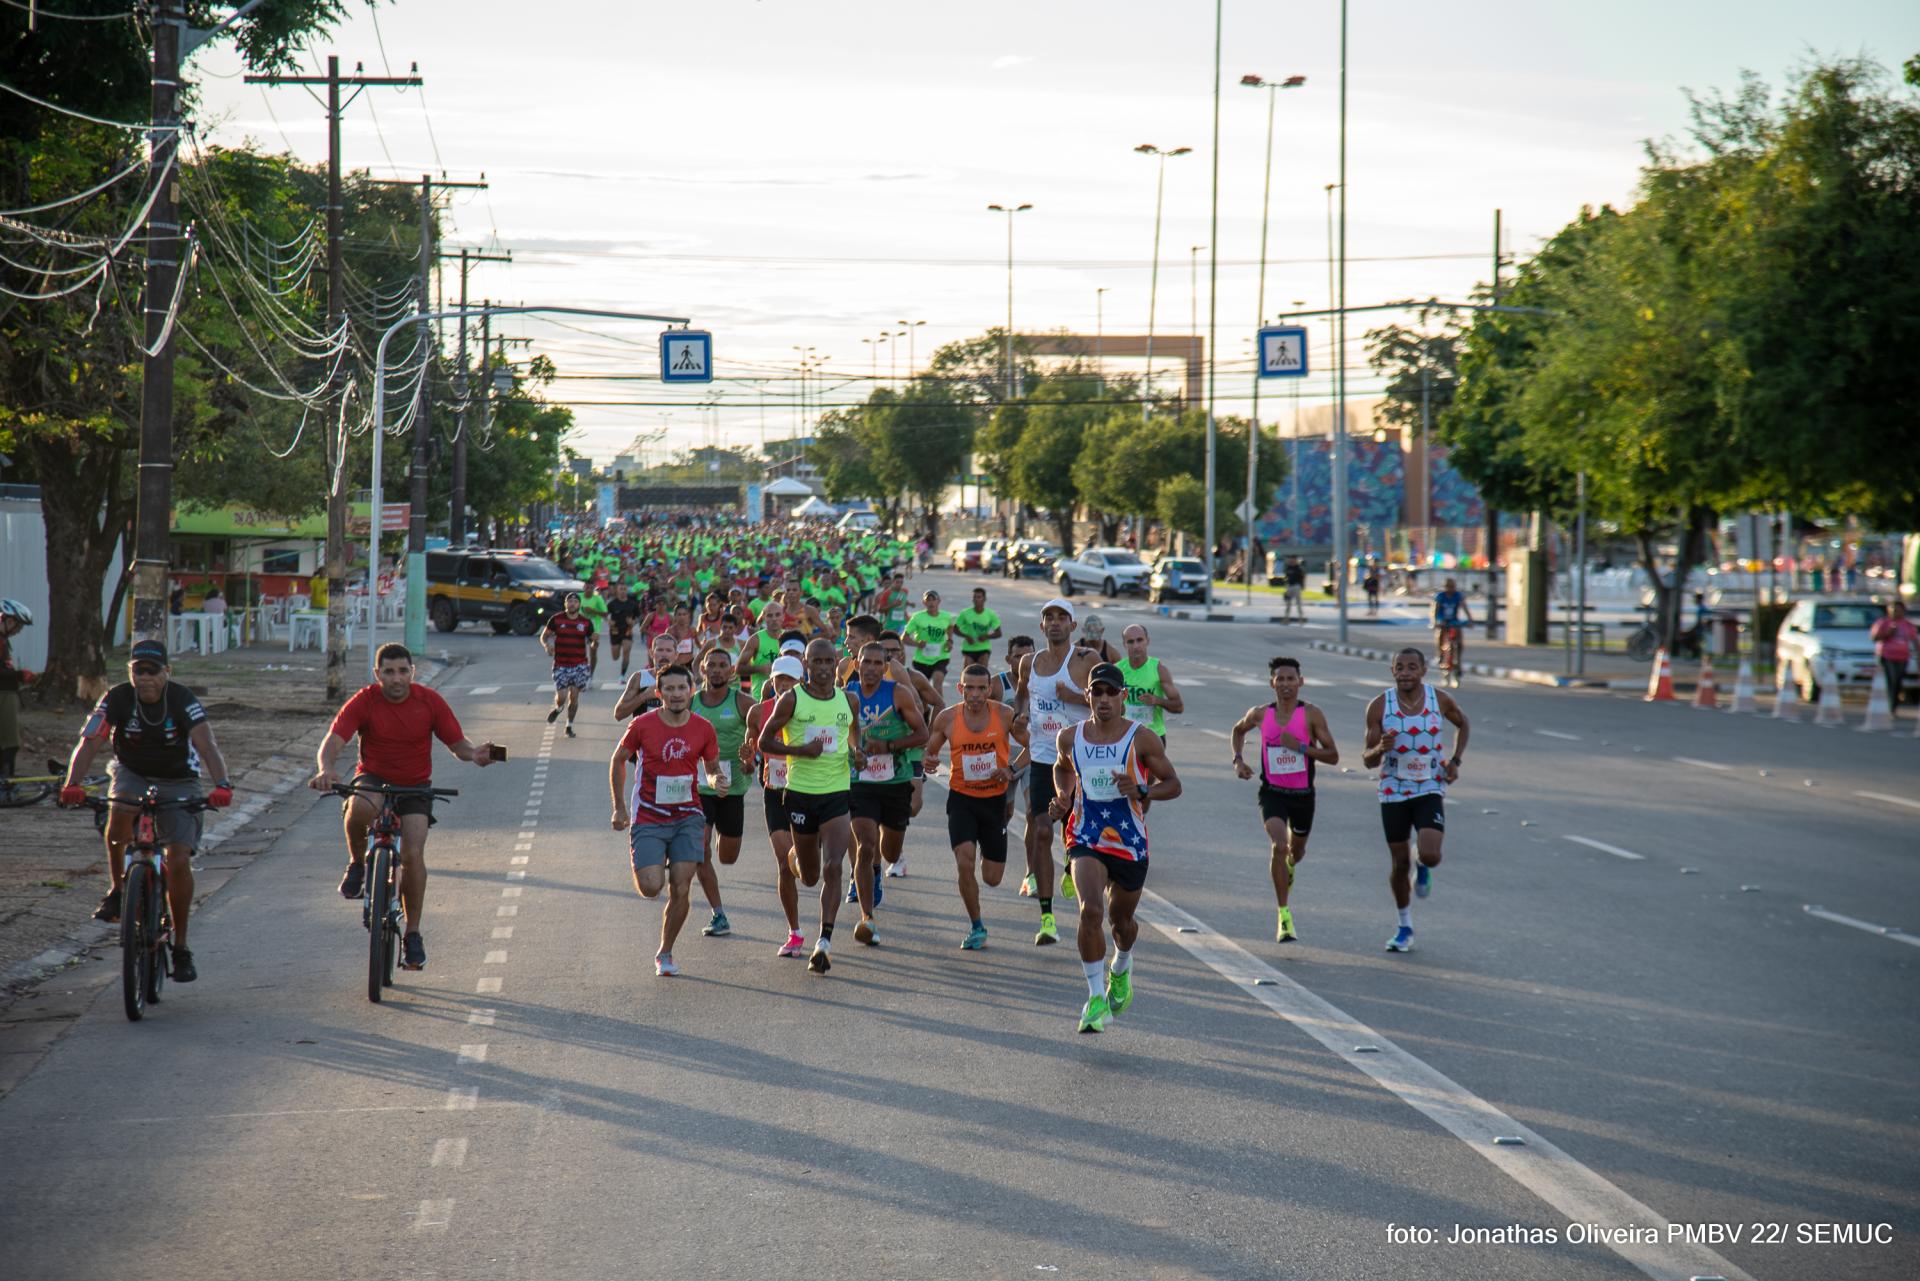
[[380, 897], [146, 928]]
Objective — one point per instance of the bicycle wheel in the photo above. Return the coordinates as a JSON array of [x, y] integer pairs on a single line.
[[379, 937], [156, 939], [14, 794], [1642, 644], [136, 951]]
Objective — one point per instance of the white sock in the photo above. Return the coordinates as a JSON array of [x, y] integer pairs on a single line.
[[1122, 962], [1096, 977], [1406, 918]]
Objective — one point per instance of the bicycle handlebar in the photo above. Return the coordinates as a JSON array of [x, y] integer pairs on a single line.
[[100, 804], [388, 789]]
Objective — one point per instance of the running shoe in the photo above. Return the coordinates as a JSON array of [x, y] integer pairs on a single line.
[[819, 962], [413, 952], [109, 909], [183, 971], [853, 891], [898, 867], [1094, 1017], [1422, 880], [795, 945], [975, 940], [1049, 932], [865, 933], [1119, 992], [1066, 884], [350, 884], [1029, 887], [1402, 940], [718, 926], [877, 893], [1285, 933], [553, 716], [663, 965]]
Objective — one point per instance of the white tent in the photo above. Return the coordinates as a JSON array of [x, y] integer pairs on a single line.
[[816, 507], [787, 487]]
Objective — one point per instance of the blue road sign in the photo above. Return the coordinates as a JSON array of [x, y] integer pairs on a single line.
[[1283, 352], [686, 356]]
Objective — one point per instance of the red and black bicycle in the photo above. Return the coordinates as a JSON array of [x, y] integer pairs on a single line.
[[380, 899], [146, 929]]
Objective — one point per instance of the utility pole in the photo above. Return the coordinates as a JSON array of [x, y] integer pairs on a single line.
[[1340, 365], [336, 319], [1493, 517], [484, 386], [457, 513], [416, 634]]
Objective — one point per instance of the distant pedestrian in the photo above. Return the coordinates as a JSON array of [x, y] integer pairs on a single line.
[[1371, 585], [1894, 641]]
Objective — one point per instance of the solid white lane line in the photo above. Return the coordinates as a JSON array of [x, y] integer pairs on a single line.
[[485, 986], [1694, 760], [434, 1214], [503, 931], [1537, 1164], [451, 1152], [480, 1017], [463, 1098], [472, 1054], [484, 689], [495, 957], [1884, 931], [1605, 848], [1907, 801], [1555, 733]]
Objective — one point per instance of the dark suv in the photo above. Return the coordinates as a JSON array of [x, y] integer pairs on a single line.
[[512, 591]]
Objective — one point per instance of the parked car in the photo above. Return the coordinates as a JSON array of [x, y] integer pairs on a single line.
[[1107, 570], [1828, 630], [857, 520], [1177, 578], [966, 553], [512, 591], [993, 559], [1027, 557]]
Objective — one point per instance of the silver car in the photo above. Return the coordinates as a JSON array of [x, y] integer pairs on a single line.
[[1824, 632], [1107, 570]]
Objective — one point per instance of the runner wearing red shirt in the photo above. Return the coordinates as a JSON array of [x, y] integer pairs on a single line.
[[570, 641], [397, 722], [661, 810]]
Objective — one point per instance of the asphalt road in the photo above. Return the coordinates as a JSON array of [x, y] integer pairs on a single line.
[[1674, 1036]]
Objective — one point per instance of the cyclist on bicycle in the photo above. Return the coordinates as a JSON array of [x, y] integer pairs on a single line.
[[1450, 615], [14, 617], [397, 722], [160, 737]]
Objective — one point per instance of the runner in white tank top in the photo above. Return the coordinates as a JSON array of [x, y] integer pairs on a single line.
[[1404, 743], [1049, 692], [1293, 738]]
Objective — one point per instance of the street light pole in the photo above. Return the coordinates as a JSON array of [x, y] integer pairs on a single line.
[[1100, 338], [1153, 289], [1340, 361], [1009, 211], [907, 327]]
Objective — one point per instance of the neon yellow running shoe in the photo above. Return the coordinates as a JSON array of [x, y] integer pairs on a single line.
[[1094, 1017], [1066, 884], [1049, 932], [1285, 933], [1119, 992]]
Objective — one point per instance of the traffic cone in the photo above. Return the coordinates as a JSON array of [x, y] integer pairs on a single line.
[[1828, 713], [1786, 698], [1743, 696], [1706, 695], [1879, 710], [1660, 686]]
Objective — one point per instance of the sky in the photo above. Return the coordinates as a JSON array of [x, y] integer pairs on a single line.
[[795, 174]]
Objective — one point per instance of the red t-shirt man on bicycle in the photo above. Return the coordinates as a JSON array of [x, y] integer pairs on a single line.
[[397, 722]]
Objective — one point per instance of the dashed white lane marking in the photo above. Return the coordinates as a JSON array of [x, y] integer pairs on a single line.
[[434, 1214], [485, 986], [503, 931], [1191, 680], [511, 891], [1218, 733], [472, 1054], [1605, 848], [451, 1152], [523, 845], [526, 831], [507, 909], [1537, 1165], [517, 874], [1694, 760], [495, 957], [463, 1098], [480, 1017], [519, 860], [1245, 680], [1358, 698], [1556, 733], [1907, 801], [1884, 931], [484, 689]]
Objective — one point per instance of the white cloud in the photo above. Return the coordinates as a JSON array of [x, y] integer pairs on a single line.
[[1008, 61]]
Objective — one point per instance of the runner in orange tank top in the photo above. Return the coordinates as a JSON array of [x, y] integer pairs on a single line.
[[982, 735]]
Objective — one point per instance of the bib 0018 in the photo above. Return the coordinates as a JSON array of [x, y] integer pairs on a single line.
[[673, 789]]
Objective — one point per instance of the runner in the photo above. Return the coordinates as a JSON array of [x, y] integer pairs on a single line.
[[930, 704], [978, 628], [894, 604], [661, 813], [1293, 738], [816, 727], [623, 615], [1403, 742], [1007, 690], [1050, 684], [787, 672], [1093, 636], [1151, 693], [881, 798], [641, 690], [979, 730], [160, 737], [397, 722], [930, 632], [1451, 617], [722, 705], [574, 649], [1106, 769]]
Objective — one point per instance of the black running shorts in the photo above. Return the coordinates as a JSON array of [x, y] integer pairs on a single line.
[[1402, 818], [726, 815], [1125, 874], [808, 812], [1296, 808], [980, 821], [888, 804]]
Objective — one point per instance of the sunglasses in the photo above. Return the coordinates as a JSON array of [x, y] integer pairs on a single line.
[[1108, 690], [147, 669]]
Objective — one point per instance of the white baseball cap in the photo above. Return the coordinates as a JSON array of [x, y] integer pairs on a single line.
[[1061, 604], [788, 665], [793, 647]]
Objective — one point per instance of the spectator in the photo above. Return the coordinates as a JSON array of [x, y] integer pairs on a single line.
[[215, 603], [177, 598], [1894, 640]]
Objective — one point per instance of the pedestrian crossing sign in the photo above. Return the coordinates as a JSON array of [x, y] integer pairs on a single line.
[[686, 356], [1283, 352]]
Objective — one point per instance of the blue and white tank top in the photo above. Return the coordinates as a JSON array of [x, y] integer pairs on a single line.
[[1102, 818]]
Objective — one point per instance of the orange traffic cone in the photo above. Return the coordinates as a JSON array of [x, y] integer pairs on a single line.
[[1828, 712], [1786, 699], [1706, 694], [1660, 685], [1879, 709], [1743, 693]]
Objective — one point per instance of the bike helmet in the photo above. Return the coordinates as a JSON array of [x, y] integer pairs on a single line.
[[10, 608]]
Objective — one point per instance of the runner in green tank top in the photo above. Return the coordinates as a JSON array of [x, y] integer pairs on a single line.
[[721, 702], [1151, 693]]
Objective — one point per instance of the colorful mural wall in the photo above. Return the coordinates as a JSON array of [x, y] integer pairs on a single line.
[[1302, 509]]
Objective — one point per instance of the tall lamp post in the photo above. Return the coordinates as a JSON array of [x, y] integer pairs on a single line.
[[1273, 88], [1340, 360], [1100, 338], [1009, 211], [1153, 289], [907, 327]]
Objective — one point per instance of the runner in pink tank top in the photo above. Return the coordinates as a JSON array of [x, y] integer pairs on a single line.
[[1293, 738]]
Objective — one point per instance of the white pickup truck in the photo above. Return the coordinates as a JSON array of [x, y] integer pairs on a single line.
[[1107, 570]]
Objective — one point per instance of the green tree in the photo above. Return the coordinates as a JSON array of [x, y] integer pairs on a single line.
[[1057, 414]]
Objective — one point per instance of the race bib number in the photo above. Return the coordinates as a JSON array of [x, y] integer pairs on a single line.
[[1284, 760], [978, 767], [1413, 768], [1099, 785], [777, 772], [673, 789], [828, 736], [877, 769], [1140, 713], [1048, 721]]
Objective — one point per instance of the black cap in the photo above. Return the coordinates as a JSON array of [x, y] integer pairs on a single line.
[[1107, 674], [148, 651]]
